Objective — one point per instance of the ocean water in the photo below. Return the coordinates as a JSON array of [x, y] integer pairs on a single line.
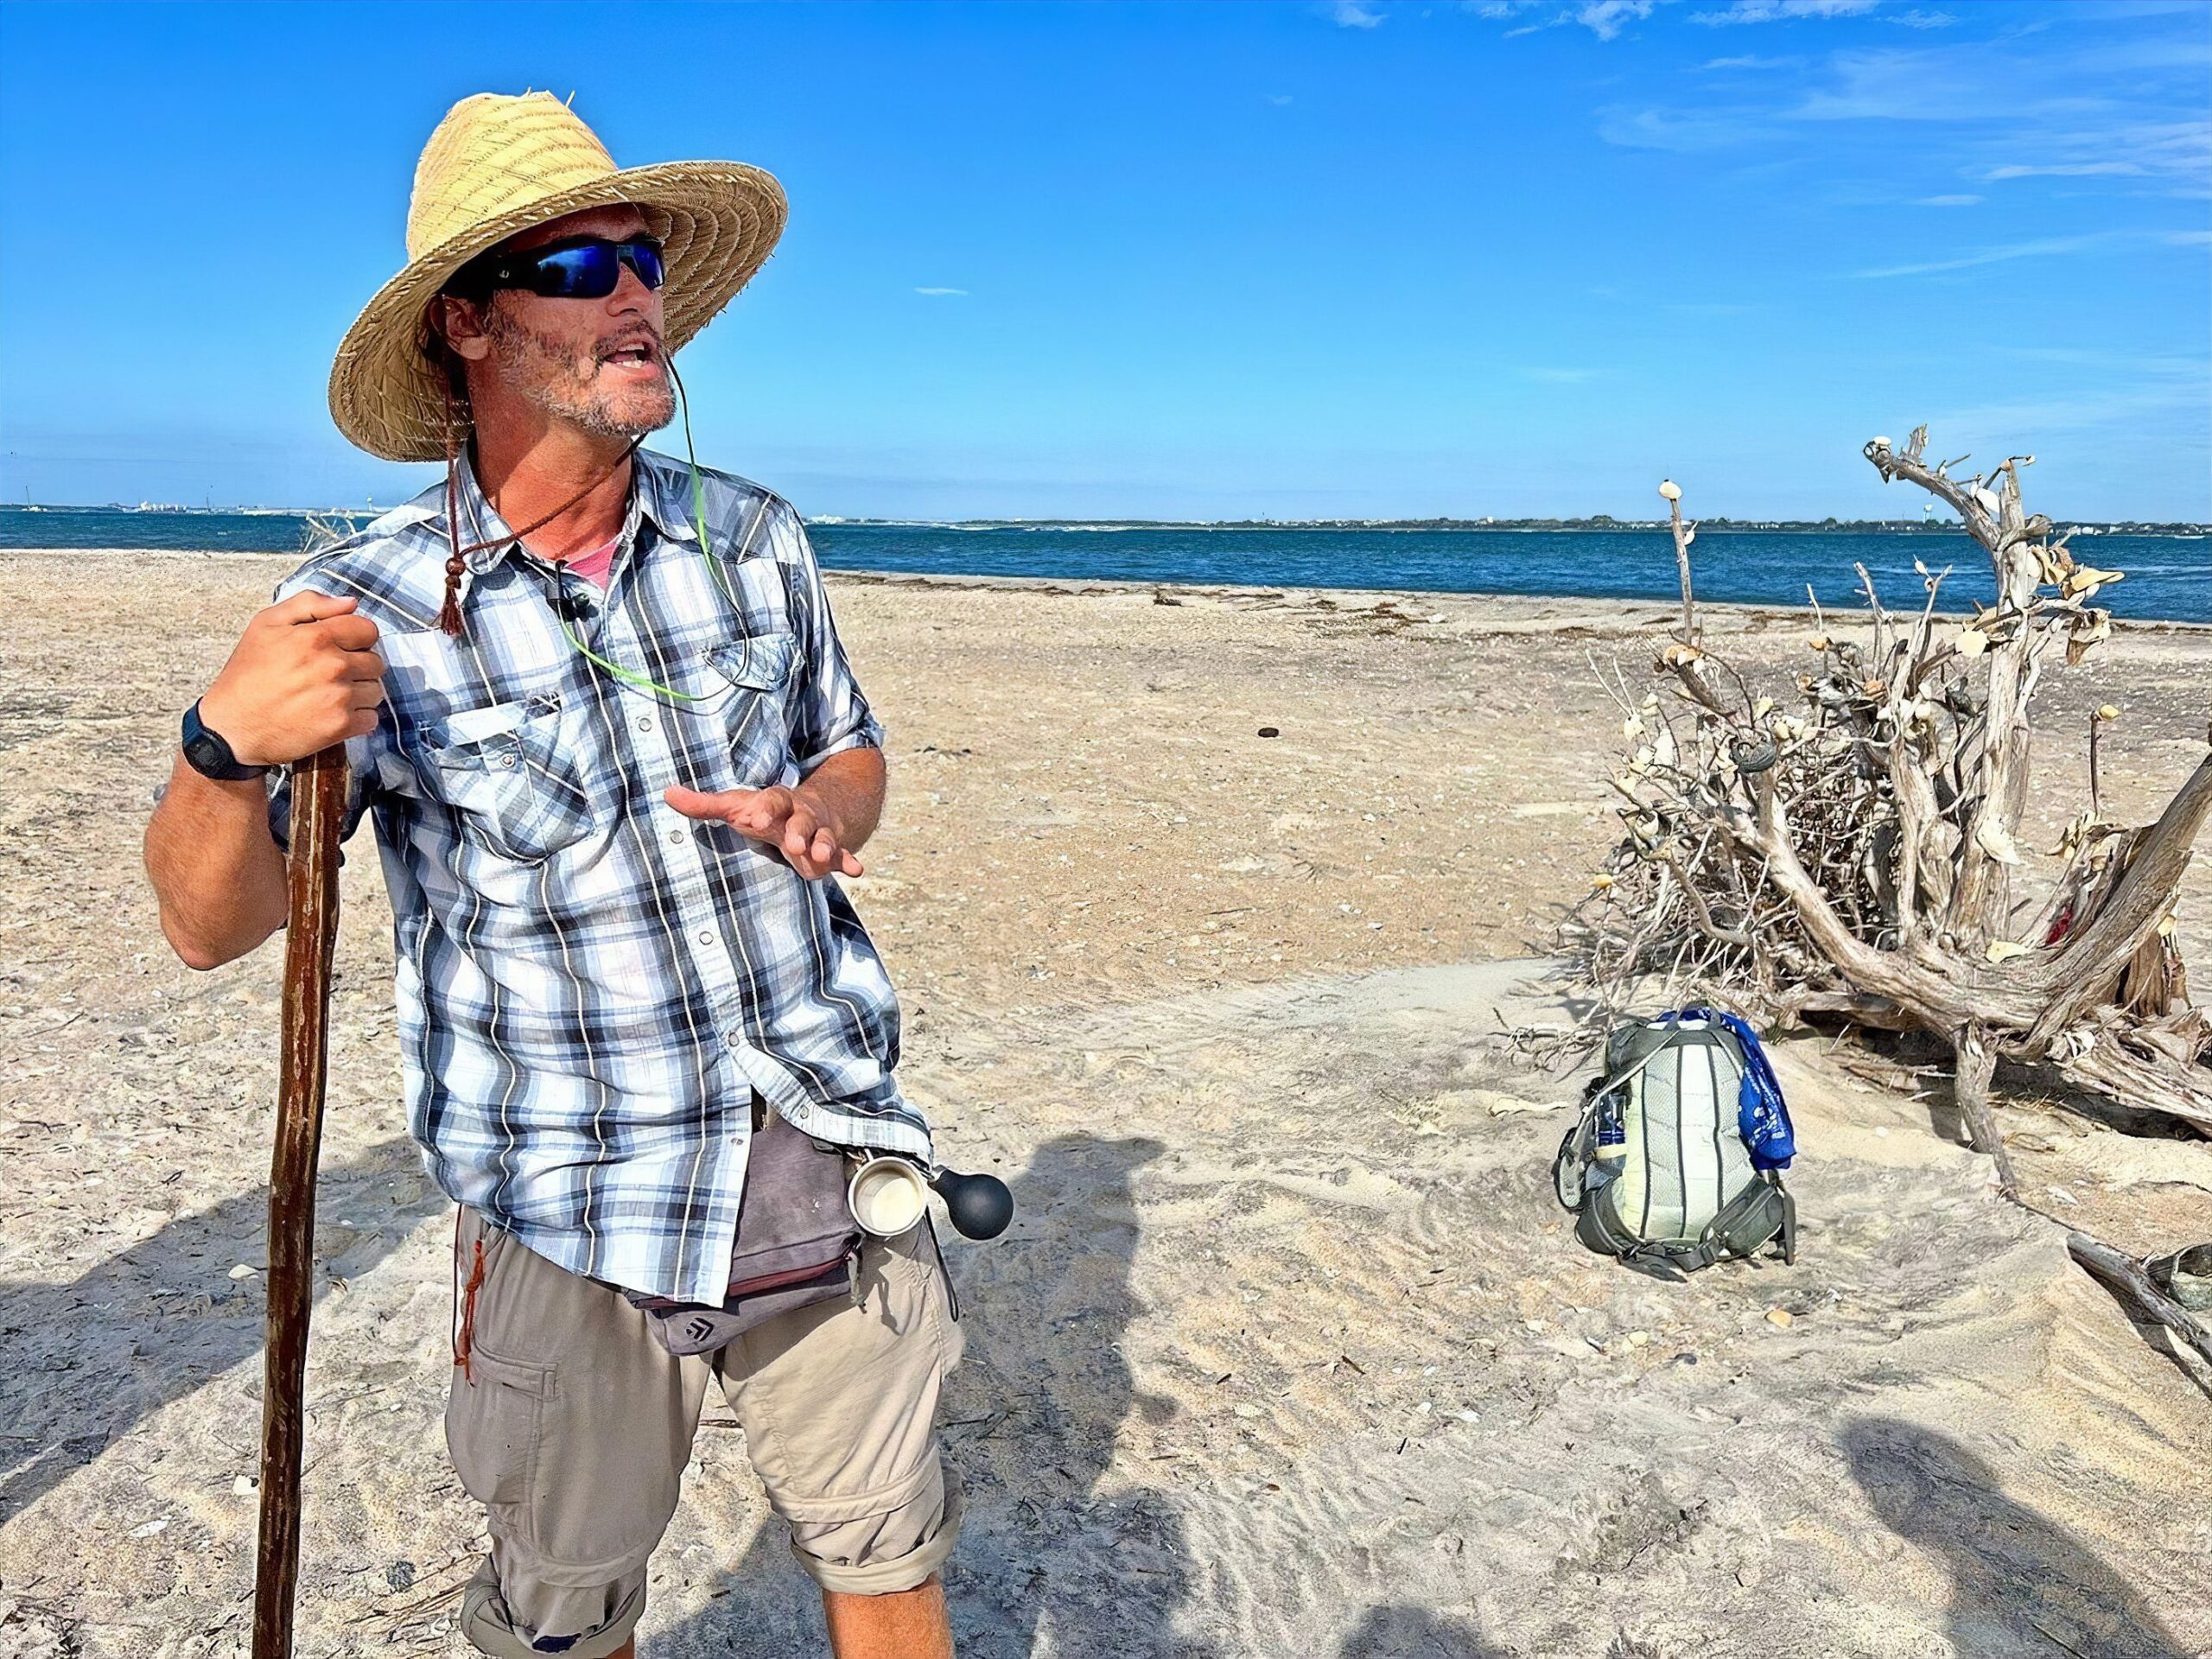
[[2169, 577]]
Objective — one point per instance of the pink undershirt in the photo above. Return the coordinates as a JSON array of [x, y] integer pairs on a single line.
[[597, 564]]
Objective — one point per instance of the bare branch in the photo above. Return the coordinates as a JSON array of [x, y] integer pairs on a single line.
[[1856, 855]]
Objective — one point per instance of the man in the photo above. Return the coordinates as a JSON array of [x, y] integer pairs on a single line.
[[615, 752]]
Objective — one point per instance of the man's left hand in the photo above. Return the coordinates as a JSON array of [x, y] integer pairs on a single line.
[[803, 830]]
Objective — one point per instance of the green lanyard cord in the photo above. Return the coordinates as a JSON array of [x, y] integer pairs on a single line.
[[631, 676], [699, 496], [627, 676]]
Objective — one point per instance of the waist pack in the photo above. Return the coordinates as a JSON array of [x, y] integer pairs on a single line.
[[796, 1241], [1677, 1154]]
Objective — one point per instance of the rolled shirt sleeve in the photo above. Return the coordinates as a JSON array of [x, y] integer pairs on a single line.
[[828, 713]]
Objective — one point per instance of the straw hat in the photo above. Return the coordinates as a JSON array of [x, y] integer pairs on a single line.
[[498, 165]]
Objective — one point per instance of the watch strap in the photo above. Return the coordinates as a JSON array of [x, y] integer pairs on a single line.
[[207, 753]]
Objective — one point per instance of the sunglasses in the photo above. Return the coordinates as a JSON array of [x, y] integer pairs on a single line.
[[584, 268]]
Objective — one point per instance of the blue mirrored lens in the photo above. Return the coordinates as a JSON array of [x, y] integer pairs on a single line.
[[644, 257], [591, 270], [587, 272]]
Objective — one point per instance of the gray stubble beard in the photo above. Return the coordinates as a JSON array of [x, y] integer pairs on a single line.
[[525, 355]]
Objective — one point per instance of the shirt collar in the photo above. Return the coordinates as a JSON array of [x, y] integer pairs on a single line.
[[655, 493], [665, 497]]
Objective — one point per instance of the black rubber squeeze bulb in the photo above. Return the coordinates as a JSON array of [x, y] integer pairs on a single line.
[[980, 1206]]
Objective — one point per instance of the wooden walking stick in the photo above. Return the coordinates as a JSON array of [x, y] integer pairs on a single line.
[[318, 806]]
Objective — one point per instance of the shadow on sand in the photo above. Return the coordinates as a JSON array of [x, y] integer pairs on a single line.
[[1031, 1419], [2018, 1583], [1415, 1633], [85, 1360]]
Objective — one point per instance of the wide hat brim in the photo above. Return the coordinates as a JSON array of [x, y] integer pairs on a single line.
[[717, 222]]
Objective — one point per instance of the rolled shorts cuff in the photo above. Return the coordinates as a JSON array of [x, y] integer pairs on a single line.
[[520, 1560], [489, 1626], [862, 1506], [902, 1573]]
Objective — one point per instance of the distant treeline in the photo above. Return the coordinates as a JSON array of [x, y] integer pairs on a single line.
[[1599, 521]]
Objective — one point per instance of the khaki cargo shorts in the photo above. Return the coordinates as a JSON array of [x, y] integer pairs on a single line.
[[572, 1426]]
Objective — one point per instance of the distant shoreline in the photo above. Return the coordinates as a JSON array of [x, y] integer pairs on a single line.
[[1597, 525], [1592, 522], [2167, 575]]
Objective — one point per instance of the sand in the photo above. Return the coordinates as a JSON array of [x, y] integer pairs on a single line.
[[1289, 1351]]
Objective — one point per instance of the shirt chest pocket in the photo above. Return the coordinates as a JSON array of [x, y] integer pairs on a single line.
[[750, 693], [510, 772]]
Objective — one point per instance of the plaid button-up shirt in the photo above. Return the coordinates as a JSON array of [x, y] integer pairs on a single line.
[[589, 985]]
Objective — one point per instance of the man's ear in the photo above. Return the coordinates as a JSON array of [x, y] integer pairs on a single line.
[[461, 322]]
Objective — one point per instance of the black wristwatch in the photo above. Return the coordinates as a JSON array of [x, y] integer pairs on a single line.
[[206, 753]]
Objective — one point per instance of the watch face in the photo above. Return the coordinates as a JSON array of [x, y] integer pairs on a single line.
[[205, 753]]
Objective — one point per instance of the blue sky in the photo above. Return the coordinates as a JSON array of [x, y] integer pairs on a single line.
[[1293, 260]]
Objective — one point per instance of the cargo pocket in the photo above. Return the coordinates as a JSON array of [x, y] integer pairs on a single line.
[[940, 1302], [510, 774], [495, 1421], [756, 713]]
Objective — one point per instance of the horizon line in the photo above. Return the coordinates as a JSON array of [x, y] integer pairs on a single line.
[[1457, 521]]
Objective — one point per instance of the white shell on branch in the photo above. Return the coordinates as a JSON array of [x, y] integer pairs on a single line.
[[1990, 837], [2090, 627], [2083, 581]]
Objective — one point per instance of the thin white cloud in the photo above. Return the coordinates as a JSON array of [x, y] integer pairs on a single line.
[[943, 293], [1281, 100], [2080, 407], [1782, 11], [2131, 364], [1355, 14], [1604, 18], [2046, 248], [1684, 131], [2065, 171], [2010, 114], [1718, 65], [1917, 84], [1946, 202], [2175, 153], [1919, 19]]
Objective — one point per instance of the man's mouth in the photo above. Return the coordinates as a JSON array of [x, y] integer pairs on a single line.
[[635, 354]]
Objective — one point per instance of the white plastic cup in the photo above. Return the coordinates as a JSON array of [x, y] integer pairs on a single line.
[[886, 1195]]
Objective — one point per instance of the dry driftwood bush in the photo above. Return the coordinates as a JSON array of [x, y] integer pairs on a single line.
[[1855, 856]]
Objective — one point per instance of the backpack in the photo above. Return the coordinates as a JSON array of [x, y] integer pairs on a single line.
[[1678, 1152]]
